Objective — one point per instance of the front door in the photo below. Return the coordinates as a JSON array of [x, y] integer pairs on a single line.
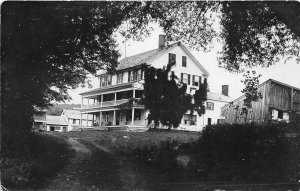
[[64, 129], [52, 128]]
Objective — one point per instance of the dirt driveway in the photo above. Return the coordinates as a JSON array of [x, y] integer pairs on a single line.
[[95, 167]]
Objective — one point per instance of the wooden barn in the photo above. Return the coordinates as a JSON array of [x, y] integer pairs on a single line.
[[280, 102]]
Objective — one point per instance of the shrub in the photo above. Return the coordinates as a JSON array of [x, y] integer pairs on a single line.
[[43, 156], [241, 152]]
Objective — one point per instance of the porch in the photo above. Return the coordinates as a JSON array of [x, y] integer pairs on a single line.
[[115, 119]]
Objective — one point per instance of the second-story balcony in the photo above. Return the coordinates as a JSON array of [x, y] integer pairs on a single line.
[[110, 99]]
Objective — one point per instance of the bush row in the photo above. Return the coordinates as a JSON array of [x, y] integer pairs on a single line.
[[237, 152], [246, 152]]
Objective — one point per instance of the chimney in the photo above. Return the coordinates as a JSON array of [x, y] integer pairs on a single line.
[[161, 41], [225, 90]]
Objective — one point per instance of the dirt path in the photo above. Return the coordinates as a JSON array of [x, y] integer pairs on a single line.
[[95, 167], [69, 177]]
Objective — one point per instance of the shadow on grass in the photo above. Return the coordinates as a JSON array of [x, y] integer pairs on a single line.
[[42, 156]]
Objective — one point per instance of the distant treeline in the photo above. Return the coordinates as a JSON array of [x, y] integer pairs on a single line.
[[56, 109]]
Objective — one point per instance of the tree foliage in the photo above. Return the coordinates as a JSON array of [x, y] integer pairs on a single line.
[[200, 97], [50, 47], [166, 99], [255, 34]]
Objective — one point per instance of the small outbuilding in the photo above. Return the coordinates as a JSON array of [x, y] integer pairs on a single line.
[[56, 123]]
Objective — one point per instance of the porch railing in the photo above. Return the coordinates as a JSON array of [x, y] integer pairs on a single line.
[[105, 104]]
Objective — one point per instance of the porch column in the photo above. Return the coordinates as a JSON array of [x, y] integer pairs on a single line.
[[87, 120], [101, 99], [100, 118], [93, 119], [115, 98], [114, 118], [80, 120], [132, 117], [133, 95]]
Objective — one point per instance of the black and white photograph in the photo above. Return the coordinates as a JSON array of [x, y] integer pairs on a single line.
[[150, 96]]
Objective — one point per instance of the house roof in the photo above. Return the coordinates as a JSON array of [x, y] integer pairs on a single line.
[[56, 120], [147, 57], [142, 58], [75, 114], [71, 114], [218, 97]]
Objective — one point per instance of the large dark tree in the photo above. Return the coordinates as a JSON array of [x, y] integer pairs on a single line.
[[49, 47]]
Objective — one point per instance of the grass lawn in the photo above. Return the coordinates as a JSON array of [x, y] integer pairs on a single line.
[[131, 160], [125, 142]]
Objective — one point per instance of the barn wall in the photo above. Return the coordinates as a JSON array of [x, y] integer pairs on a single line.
[[296, 100], [275, 96], [258, 112], [280, 97]]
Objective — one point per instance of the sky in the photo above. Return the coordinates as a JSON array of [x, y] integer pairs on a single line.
[[288, 72]]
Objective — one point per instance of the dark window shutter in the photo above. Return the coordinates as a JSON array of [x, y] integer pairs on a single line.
[[184, 61], [212, 107], [200, 80], [189, 79], [181, 77], [193, 82], [174, 58], [129, 76]]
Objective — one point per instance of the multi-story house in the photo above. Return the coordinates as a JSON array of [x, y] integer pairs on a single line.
[[106, 103]]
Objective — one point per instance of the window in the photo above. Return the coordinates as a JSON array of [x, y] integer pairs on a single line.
[[196, 80], [185, 78], [105, 81], [280, 114], [183, 61], [136, 75], [210, 106], [137, 114], [208, 121], [74, 121], [128, 115], [189, 119], [120, 78], [172, 58], [221, 121], [57, 128]]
